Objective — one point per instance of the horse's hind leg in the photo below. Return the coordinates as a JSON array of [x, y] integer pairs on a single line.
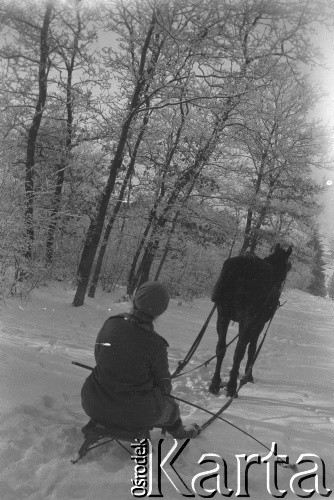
[[239, 354], [248, 377], [222, 326]]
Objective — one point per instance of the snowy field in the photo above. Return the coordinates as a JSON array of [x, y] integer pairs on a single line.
[[291, 402]]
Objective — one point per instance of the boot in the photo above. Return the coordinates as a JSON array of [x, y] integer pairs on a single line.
[[180, 431]]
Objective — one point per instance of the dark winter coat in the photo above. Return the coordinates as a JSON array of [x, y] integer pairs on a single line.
[[127, 387]]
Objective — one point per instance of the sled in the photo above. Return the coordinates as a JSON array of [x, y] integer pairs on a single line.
[[97, 434]]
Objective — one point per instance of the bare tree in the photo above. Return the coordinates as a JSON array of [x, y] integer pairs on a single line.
[[30, 47], [280, 147], [68, 55], [149, 38]]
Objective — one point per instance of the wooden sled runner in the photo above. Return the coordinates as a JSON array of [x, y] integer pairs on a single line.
[[96, 434]]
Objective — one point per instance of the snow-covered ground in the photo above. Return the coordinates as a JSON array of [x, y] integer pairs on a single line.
[[291, 402]]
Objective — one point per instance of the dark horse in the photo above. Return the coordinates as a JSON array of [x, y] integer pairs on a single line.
[[248, 292]]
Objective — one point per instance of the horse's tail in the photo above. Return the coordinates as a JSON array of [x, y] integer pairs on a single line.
[[222, 284]]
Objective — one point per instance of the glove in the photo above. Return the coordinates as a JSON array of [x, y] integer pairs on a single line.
[[185, 431]]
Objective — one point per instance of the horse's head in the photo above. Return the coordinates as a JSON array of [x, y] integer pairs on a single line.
[[279, 259]]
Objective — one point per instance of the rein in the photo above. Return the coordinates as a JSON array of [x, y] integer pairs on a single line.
[[194, 346], [182, 364], [283, 464], [205, 362], [214, 416], [229, 402]]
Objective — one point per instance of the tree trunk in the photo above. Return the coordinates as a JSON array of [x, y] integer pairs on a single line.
[[152, 246], [167, 247], [117, 207], [190, 175], [68, 144], [264, 210], [247, 233], [202, 155], [261, 172], [54, 213], [34, 129], [163, 259], [103, 247], [96, 226], [133, 276]]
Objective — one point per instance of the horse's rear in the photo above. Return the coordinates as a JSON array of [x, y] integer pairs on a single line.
[[247, 291], [243, 286]]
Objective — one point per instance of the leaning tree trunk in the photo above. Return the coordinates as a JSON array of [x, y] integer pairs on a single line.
[[186, 178], [133, 277], [96, 226], [167, 247], [103, 248], [34, 129], [144, 269], [152, 218], [152, 246], [116, 209], [137, 275]]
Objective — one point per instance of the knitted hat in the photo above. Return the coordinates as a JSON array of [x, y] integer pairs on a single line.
[[151, 298]]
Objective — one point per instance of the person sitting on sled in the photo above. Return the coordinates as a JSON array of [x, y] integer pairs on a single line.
[[130, 385]]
